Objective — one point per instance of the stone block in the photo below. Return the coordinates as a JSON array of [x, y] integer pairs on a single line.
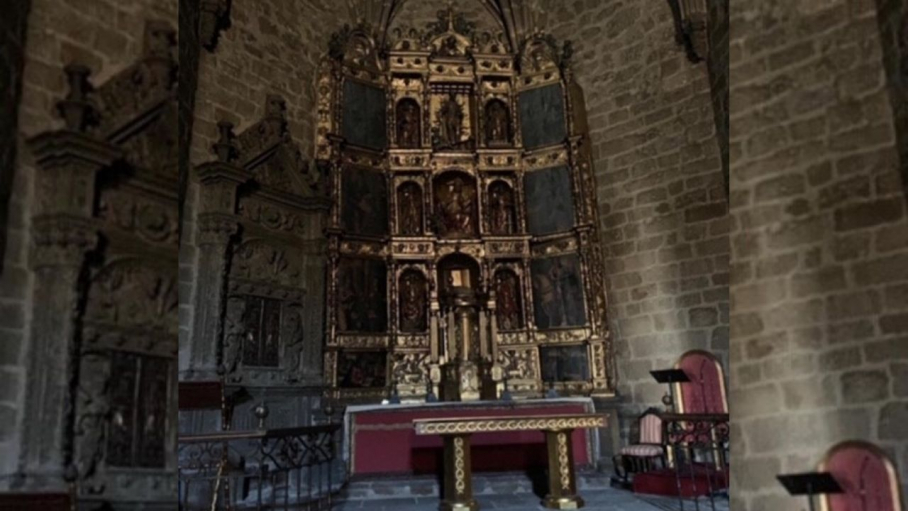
[[892, 419], [864, 386], [869, 214], [892, 349], [894, 323]]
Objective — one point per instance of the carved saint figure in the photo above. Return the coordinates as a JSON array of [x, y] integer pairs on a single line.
[[497, 123], [450, 117], [501, 204], [412, 302], [409, 207], [455, 209], [408, 124], [507, 291]]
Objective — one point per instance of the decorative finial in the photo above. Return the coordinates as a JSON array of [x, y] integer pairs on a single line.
[[261, 413], [76, 110], [224, 147]]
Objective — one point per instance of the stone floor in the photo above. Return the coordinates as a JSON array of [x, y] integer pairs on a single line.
[[598, 500], [503, 492]]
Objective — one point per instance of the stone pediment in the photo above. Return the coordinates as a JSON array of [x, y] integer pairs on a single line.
[[268, 152]]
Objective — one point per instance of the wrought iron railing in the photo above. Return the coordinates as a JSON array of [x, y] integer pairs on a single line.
[[698, 448], [278, 469]]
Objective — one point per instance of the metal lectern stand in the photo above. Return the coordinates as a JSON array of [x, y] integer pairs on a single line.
[[810, 484]]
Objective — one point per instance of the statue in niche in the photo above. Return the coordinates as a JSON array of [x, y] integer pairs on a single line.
[[498, 130], [412, 302], [409, 207], [455, 208], [450, 125], [408, 124], [507, 292], [501, 204]]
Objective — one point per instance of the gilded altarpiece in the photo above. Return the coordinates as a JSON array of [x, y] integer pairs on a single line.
[[484, 185]]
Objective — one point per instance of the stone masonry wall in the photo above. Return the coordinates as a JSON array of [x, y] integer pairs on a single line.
[[13, 290], [272, 47], [819, 345], [660, 185], [893, 20], [107, 36], [718, 73]]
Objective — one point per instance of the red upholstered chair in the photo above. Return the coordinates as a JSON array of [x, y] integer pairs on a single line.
[[867, 477], [705, 393], [642, 456]]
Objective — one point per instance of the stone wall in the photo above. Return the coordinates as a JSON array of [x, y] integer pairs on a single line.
[[660, 184], [13, 275], [893, 20], [717, 62], [819, 351], [106, 36]]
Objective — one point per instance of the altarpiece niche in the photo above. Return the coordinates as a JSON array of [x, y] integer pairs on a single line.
[[463, 240]]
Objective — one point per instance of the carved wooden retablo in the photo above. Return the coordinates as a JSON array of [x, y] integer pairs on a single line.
[[458, 166]]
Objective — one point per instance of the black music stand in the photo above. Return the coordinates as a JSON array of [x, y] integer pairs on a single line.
[[670, 377], [810, 484]]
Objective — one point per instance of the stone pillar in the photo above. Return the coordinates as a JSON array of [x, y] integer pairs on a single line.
[[63, 233], [217, 229]]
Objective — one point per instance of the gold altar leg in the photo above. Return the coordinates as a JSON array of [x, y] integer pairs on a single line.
[[562, 483], [458, 475]]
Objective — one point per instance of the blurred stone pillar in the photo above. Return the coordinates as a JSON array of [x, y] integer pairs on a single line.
[[63, 235]]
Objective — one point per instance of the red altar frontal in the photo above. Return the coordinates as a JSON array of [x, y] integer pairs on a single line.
[[380, 439]]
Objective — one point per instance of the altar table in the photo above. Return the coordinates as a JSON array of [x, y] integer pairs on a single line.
[[458, 473], [380, 439]]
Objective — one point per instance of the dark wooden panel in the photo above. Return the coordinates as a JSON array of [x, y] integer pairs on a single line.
[[542, 116], [364, 115], [550, 201]]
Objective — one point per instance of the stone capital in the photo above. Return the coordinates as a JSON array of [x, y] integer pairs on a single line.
[[219, 182], [68, 162], [216, 228], [62, 240]]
